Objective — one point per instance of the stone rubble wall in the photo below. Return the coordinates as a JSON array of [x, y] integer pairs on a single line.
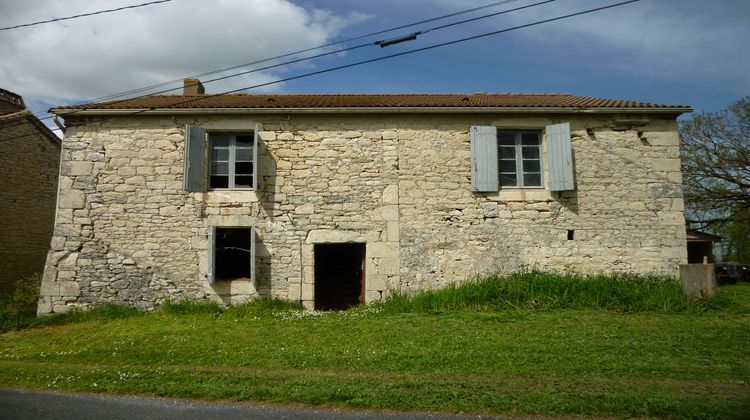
[[127, 233], [28, 189]]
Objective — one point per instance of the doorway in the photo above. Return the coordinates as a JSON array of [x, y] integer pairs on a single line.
[[339, 275]]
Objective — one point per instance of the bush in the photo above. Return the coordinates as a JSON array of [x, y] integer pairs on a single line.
[[186, 306], [539, 290]]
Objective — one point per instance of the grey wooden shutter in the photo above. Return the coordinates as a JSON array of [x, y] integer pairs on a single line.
[[559, 157], [255, 159], [195, 154], [252, 255], [484, 174], [211, 267]]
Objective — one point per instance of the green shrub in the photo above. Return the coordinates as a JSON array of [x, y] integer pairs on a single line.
[[186, 306], [539, 290], [261, 306], [25, 296]]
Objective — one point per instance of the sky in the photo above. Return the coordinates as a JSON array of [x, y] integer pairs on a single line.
[[677, 52]]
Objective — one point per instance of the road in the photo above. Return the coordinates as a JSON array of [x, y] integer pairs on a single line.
[[41, 405]]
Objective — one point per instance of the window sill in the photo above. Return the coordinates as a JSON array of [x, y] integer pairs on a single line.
[[230, 196], [522, 194]]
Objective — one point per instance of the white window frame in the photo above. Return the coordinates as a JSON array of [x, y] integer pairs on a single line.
[[232, 160], [518, 148]]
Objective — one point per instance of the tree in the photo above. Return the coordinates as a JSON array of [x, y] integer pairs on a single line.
[[716, 170]]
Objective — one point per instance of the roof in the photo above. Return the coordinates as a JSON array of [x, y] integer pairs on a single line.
[[384, 102], [698, 236]]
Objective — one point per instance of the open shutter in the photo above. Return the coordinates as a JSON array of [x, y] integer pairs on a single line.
[[195, 152], [559, 158], [252, 255], [211, 268], [484, 175], [256, 182]]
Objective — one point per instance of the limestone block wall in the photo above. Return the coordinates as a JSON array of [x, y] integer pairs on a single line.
[[28, 186], [399, 183]]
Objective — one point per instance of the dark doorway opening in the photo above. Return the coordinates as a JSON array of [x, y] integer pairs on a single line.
[[339, 275], [233, 253]]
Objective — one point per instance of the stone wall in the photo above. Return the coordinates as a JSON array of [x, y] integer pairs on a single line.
[[29, 159], [399, 183]]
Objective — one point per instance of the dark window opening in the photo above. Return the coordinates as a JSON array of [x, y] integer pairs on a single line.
[[570, 234], [233, 253], [339, 275]]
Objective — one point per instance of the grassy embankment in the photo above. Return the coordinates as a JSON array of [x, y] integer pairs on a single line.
[[529, 343]]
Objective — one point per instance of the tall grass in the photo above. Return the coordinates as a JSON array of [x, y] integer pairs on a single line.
[[540, 290]]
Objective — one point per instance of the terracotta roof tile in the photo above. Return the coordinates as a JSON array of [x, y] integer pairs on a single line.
[[284, 101]]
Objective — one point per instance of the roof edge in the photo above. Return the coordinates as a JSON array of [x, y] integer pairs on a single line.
[[674, 110]]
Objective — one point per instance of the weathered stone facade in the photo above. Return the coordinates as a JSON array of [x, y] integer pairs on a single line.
[[29, 156], [398, 182]]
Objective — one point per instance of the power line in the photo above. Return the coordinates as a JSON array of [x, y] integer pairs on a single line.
[[385, 57], [84, 15], [372, 60], [343, 49], [355, 38], [167, 83]]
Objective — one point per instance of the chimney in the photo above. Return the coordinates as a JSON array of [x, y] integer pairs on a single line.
[[193, 87]]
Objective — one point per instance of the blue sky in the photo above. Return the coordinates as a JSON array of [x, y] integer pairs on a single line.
[[680, 52]]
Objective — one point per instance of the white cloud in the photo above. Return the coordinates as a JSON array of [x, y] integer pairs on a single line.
[[95, 56], [688, 40]]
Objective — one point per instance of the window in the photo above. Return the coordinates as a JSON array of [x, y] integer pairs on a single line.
[[229, 158], [503, 158], [231, 253], [520, 158], [231, 161]]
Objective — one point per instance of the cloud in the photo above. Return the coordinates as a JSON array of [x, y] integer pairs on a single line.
[[95, 56], [687, 40]]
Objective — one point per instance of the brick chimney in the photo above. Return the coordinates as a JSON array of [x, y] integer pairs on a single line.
[[193, 87]]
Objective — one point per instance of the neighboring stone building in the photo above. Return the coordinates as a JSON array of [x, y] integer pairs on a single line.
[[337, 199], [29, 158]]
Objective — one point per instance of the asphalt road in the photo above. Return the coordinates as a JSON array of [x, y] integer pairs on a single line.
[[21, 405]]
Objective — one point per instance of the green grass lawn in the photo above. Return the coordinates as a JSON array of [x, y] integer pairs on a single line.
[[521, 358]]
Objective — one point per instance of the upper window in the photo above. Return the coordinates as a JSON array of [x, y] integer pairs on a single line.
[[502, 158], [231, 160], [520, 158]]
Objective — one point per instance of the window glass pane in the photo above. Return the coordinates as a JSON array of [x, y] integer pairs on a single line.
[[532, 180], [507, 152], [531, 166], [243, 168], [219, 181], [243, 181], [244, 140], [219, 140], [506, 139], [507, 166], [219, 168], [220, 153], [508, 180], [530, 152], [244, 153], [529, 139]]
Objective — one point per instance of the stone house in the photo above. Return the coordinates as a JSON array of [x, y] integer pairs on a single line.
[[332, 200], [29, 158]]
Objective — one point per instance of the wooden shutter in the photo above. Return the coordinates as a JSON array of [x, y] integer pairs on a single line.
[[195, 154], [484, 175], [252, 255], [256, 182], [211, 267], [559, 158]]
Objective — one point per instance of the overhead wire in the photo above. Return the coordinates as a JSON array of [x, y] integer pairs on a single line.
[[385, 57], [286, 63], [358, 37], [84, 15], [362, 62]]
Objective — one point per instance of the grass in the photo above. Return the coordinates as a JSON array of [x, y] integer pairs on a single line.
[[499, 346]]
